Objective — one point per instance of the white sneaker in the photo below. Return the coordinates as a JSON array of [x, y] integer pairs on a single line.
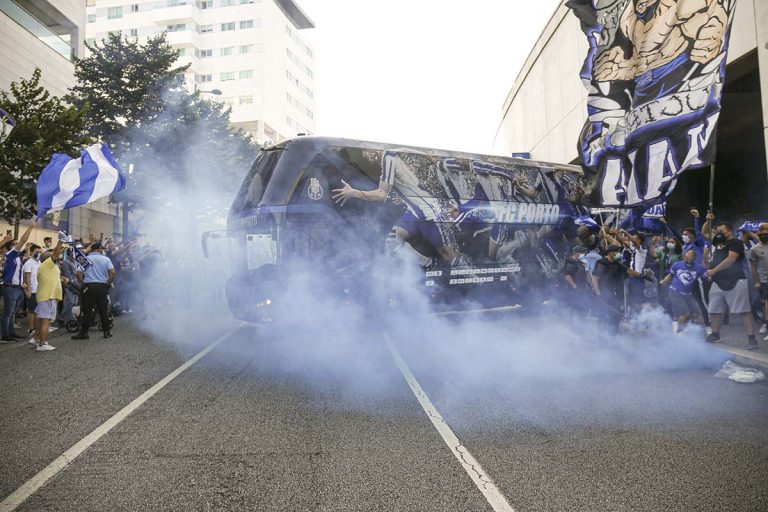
[[52, 328], [709, 330], [763, 329], [675, 327], [32, 341], [765, 339], [45, 347]]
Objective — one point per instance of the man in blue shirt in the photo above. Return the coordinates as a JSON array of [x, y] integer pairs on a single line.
[[684, 276], [13, 293], [96, 281], [693, 240]]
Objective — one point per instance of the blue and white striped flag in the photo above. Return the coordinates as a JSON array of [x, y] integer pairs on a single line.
[[586, 220], [6, 125], [68, 182]]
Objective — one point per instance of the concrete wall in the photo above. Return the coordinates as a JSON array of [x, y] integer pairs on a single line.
[[761, 30], [547, 106], [21, 51]]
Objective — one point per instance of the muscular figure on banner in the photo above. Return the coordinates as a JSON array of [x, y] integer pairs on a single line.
[[669, 38], [424, 216]]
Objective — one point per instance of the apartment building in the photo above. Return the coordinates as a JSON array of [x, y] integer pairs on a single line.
[[249, 53]]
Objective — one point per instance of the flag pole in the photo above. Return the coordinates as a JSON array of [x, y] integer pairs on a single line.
[[711, 187]]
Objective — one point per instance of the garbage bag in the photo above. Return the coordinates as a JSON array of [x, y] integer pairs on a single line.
[[736, 373]]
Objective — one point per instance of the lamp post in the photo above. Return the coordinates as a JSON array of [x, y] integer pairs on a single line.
[[215, 92]]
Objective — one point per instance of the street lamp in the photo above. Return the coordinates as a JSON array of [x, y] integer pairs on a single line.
[[215, 92]]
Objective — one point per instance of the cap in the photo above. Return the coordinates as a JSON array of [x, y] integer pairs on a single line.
[[95, 246], [580, 249], [613, 248]]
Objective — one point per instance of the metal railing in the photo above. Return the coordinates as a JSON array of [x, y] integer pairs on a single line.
[[37, 28]]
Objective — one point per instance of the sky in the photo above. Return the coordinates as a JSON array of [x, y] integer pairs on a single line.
[[432, 73]]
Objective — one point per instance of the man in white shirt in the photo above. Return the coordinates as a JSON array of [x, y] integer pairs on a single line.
[[29, 270]]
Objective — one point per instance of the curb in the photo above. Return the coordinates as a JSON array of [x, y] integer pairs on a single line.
[[746, 357]]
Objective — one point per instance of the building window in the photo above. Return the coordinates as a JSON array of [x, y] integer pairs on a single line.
[[226, 76], [176, 3], [178, 27], [134, 7], [246, 49], [292, 124], [115, 12], [91, 18], [245, 74], [117, 33], [182, 52], [228, 100], [228, 3], [243, 2], [226, 51], [204, 29], [205, 4], [133, 32], [246, 100], [90, 41], [205, 78], [201, 54], [225, 27], [246, 24]]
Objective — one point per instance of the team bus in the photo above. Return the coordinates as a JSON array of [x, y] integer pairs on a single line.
[[471, 229]]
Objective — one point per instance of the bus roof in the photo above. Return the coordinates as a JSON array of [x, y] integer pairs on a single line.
[[355, 143]]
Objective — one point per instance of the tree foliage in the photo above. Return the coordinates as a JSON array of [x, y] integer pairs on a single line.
[[44, 125], [138, 103]]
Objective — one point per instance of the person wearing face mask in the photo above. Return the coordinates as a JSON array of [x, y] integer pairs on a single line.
[[608, 284], [758, 264], [30, 286], [575, 276], [683, 276], [729, 286]]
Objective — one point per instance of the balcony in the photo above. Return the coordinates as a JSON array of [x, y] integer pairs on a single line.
[[38, 29]]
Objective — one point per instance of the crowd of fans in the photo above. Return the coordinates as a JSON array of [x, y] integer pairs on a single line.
[[51, 286], [707, 273]]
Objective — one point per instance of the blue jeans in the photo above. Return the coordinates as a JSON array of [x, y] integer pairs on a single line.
[[70, 300], [12, 299]]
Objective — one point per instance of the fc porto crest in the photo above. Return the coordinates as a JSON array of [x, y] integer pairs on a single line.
[[315, 190]]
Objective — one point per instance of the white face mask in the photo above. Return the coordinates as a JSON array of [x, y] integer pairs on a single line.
[[686, 239], [671, 246]]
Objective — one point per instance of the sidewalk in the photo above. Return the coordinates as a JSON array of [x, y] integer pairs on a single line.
[[734, 341]]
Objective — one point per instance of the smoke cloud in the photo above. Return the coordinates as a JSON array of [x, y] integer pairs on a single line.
[[331, 341]]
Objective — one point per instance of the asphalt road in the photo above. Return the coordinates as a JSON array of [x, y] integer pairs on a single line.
[[269, 422]]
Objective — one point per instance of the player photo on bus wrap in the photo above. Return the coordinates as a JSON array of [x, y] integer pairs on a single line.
[[455, 206], [655, 74]]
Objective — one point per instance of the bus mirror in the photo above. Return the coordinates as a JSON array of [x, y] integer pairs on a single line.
[[211, 235]]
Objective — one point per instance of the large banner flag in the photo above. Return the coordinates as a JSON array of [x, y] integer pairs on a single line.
[[655, 73], [6, 125], [68, 182]]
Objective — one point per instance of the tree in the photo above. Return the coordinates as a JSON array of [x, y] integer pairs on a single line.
[[138, 104], [44, 125]]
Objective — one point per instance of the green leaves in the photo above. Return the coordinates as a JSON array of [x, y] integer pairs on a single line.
[[45, 125]]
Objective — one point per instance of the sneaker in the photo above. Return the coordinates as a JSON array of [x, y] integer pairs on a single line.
[[107, 334], [709, 330], [80, 337], [45, 348], [32, 341], [30, 333], [765, 339], [17, 337], [5, 340], [53, 328], [675, 327], [763, 329], [713, 338]]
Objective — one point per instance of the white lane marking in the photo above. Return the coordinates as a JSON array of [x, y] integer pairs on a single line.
[[478, 475], [36, 482]]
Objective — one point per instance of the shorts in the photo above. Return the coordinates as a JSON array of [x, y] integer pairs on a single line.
[[764, 291], [32, 303], [429, 229], [736, 298], [47, 309], [682, 304]]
